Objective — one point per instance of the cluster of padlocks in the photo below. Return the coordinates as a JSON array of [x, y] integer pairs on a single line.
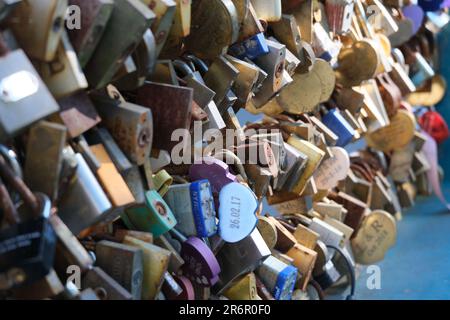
[[128, 170]]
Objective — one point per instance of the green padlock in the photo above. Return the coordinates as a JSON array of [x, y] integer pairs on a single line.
[[155, 216]]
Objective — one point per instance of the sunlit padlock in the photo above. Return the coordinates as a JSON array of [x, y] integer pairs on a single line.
[[20, 89], [155, 216], [193, 207], [131, 125]]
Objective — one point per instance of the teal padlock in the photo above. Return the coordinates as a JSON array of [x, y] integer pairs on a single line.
[[154, 217]]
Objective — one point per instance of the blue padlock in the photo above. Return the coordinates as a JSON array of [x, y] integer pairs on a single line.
[[193, 207], [251, 48], [278, 277], [337, 123]]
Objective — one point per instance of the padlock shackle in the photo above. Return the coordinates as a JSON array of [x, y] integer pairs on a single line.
[[228, 156], [182, 68], [200, 65], [18, 185]]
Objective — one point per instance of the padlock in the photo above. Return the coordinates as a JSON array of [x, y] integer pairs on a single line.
[[194, 79], [44, 160], [323, 46], [201, 266], [287, 32], [240, 258], [220, 78], [38, 25], [24, 261], [217, 15], [154, 216], [187, 289], [144, 61], [102, 136], [112, 182], [295, 164], [176, 261], [155, 264], [77, 113], [328, 234], [165, 13], [268, 231], [84, 203], [63, 75], [251, 48], [131, 126], [180, 28], [273, 63], [170, 287], [278, 277], [424, 70], [306, 237], [69, 251], [96, 15], [237, 212], [18, 72], [171, 106], [104, 286], [334, 120], [243, 289], [123, 263], [339, 15], [193, 207], [114, 47], [315, 157], [356, 210]]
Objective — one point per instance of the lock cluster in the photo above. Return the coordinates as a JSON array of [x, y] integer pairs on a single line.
[[211, 149]]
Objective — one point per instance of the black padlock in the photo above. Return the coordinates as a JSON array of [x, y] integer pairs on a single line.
[[26, 247]]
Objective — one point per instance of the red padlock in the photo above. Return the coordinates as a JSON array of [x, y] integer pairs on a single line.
[[433, 123]]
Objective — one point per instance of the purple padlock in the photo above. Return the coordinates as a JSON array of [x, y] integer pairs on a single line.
[[201, 266], [215, 171], [415, 14]]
